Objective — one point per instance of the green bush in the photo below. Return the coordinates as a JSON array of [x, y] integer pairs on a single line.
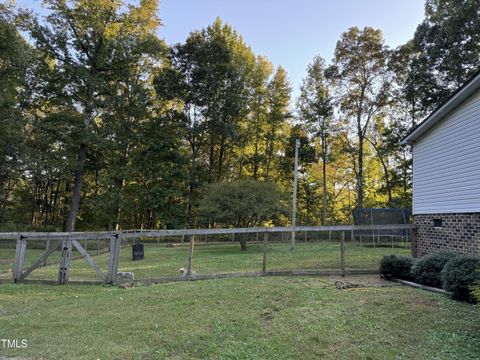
[[459, 276], [476, 293], [396, 266], [426, 270]]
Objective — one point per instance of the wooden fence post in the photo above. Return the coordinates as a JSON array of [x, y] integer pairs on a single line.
[[63, 271], [342, 253], [264, 260], [47, 247], [19, 258], [190, 255], [113, 259]]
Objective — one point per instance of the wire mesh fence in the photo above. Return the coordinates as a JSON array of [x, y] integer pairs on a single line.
[[195, 253]]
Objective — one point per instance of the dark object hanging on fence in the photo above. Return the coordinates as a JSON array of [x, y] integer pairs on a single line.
[[137, 251]]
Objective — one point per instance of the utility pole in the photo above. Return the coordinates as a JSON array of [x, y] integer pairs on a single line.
[[294, 197]]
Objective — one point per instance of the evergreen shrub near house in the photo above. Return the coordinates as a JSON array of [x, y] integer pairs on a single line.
[[397, 266], [476, 292], [426, 270], [461, 276]]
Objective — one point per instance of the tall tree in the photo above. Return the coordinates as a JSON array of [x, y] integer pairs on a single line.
[[446, 50], [15, 56], [279, 93], [256, 123], [209, 76], [86, 39], [316, 110], [362, 78]]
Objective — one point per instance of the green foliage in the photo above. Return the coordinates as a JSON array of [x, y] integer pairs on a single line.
[[427, 269], [443, 52], [316, 111], [363, 81], [476, 292], [100, 121], [397, 266], [242, 203], [15, 55], [459, 275]]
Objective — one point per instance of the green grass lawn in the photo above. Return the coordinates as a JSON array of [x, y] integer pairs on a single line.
[[161, 260], [248, 318]]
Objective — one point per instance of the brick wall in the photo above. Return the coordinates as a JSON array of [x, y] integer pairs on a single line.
[[459, 232]]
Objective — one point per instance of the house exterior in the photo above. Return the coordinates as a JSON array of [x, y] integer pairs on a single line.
[[446, 175]]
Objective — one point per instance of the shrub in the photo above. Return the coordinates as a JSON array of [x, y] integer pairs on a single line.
[[476, 293], [396, 266], [243, 203], [459, 275], [426, 270]]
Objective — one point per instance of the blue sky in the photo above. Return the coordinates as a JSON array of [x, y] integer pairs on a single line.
[[289, 32]]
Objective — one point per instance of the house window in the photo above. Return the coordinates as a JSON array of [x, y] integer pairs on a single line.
[[437, 223]]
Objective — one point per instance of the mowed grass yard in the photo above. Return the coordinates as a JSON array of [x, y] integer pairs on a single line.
[[161, 260], [247, 318]]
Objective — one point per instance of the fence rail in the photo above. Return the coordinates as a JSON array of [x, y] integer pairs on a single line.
[[132, 234], [69, 242]]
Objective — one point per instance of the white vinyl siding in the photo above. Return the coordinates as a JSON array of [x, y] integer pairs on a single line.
[[446, 163]]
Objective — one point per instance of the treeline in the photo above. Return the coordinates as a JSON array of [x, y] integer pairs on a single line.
[[104, 126]]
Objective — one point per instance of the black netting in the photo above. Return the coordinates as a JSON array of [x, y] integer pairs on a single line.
[[386, 216], [378, 216]]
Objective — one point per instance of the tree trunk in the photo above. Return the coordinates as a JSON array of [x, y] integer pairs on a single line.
[[211, 157], [54, 206], [360, 172], [269, 151], [118, 218], [257, 135], [324, 208], [324, 174], [385, 171], [191, 188], [221, 153], [243, 244], [77, 188]]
